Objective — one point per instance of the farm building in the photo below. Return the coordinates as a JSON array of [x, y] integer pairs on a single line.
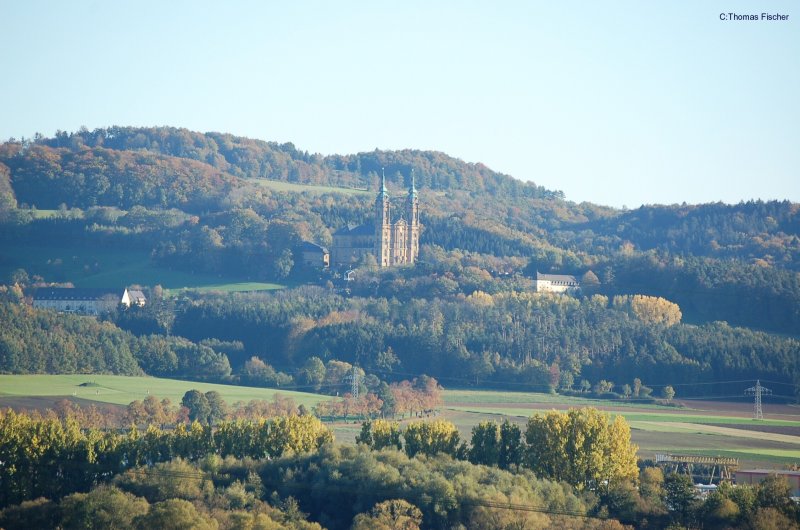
[[313, 255], [85, 301], [754, 476]]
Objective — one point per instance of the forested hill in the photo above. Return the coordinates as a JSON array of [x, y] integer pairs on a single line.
[[201, 203], [244, 157], [737, 263]]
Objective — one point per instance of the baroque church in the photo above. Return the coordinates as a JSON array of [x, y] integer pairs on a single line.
[[393, 238]]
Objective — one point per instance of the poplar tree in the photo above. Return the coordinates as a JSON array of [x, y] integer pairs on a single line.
[[581, 447]]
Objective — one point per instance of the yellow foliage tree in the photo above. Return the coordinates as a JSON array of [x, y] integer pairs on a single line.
[[431, 437], [396, 514], [650, 309], [378, 434], [581, 447], [295, 434]]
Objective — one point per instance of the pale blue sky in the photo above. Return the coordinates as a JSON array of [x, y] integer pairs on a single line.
[[618, 103]]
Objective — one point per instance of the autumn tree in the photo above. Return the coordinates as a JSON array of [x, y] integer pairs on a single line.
[[603, 387], [158, 411], [135, 413], [176, 514], [431, 437], [103, 507], [590, 283], [649, 309], [396, 514], [581, 447], [295, 434]]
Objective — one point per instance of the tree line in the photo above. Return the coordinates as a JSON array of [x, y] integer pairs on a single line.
[[506, 339], [53, 457], [562, 465]]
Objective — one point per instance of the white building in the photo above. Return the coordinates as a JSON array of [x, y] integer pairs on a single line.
[[85, 301], [555, 283]]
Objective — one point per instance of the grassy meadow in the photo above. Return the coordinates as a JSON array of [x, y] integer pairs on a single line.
[[291, 187], [111, 267], [121, 390]]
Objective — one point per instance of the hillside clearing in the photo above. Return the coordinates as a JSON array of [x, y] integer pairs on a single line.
[[112, 267], [121, 390], [291, 187]]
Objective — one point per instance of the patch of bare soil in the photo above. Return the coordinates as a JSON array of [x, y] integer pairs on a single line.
[[775, 429]]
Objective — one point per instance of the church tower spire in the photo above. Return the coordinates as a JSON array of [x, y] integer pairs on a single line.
[[412, 211], [383, 225]]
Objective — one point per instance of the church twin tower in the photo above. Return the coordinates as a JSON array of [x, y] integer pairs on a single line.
[[396, 243]]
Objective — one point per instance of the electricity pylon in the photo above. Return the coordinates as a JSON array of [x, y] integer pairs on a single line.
[[757, 391], [354, 382]]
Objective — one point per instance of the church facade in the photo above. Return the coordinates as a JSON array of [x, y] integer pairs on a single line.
[[393, 237]]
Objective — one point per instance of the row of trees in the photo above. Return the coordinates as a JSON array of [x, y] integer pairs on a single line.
[[435, 479], [338, 487], [52, 457], [581, 447], [420, 396]]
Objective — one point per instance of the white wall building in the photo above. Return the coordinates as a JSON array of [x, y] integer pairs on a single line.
[[85, 301], [555, 283]]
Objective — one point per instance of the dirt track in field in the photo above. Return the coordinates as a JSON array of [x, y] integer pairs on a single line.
[[777, 429]]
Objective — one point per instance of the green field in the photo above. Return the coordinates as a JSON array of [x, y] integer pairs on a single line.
[[670, 430], [630, 416], [496, 397], [654, 428], [103, 267], [121, 390], [45, 214], [279, 185]]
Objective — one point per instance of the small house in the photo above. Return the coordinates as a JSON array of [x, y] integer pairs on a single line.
[[313, 255]]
